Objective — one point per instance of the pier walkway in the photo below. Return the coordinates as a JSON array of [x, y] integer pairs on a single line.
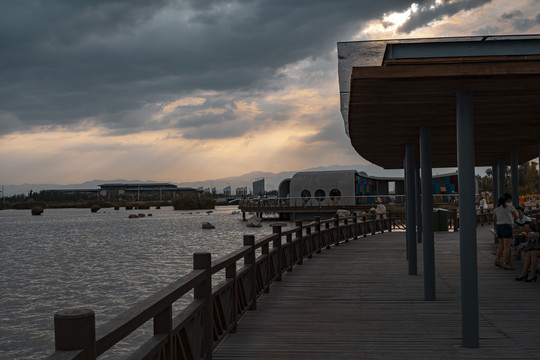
[[357, 301]]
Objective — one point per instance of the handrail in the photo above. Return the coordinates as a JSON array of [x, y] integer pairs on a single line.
[[214, 312]]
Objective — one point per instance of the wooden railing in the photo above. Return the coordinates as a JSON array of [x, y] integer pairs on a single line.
[[214, 311]]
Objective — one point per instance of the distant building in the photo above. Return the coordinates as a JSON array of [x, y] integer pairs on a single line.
[[241, 191], [258, 187], [142, 188], [227, 191]]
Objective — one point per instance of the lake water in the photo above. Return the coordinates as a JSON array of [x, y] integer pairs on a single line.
[[72, 258]]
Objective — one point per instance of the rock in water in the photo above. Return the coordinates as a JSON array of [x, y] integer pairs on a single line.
[[343, 213], [207, 225], [133, 216], [254, 221]]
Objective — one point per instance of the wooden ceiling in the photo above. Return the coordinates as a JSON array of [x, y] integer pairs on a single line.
[[388, 104]]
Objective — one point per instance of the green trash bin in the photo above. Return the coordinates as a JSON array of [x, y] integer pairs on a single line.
[[440, 219]]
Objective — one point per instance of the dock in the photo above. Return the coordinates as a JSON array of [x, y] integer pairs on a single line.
[[357, 301]]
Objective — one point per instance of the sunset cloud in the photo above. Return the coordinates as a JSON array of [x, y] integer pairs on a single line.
[[184, 90]]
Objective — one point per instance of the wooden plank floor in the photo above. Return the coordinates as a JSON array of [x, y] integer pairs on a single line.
[[357, 301]]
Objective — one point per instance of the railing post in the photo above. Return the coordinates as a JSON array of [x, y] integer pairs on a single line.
[[276, 229], [308, 236], [230, 275], [249, 261], [374, 224], [327, 230], [355, 222], [336, 227], [347, 235], [299, 236], [163, 325], [364, 217], [76, 330], [291, 252], [318, 233], [390, 223], [266, 253], [203, 291]]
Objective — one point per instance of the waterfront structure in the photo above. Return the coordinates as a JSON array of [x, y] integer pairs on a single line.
[[444, 102], [119, 189]]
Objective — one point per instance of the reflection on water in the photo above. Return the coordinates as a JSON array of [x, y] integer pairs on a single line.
[[70, 258]]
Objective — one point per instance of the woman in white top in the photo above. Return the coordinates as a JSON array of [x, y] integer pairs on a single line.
[[504, 215]]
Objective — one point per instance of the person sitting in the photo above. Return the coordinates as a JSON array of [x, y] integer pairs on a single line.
[[531, 261], [521, 228]]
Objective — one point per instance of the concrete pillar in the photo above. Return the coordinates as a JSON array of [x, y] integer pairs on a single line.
[[467, 210], [502, 177], [417, 189], [427, 214], [515, 178], [410, 208]]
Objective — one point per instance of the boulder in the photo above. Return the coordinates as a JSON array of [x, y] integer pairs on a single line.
[[37, 210], [254, 221], [343, 213], [133, 216], [141, 215], [207, 225]]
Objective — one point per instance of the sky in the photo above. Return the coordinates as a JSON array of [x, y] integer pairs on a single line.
[[179, 91]]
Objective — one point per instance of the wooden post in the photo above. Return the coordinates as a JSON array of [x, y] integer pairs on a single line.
[[76, 330], [276, 229], [230, 275], [266, 253], [203, 291], [308, 236], [327, 230], [336, 227], [364, 218], [373, 224], [249, 260], [299, 236], [318, 233], [347, 235], [291, 252], [163, 325], [355, 222], [390, 222]]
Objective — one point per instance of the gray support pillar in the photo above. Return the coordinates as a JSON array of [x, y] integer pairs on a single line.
[[410, 208], [515, 178], [502, 177], [467, 215], [405, 193], [495, 173], [417, 189], [427, 214]]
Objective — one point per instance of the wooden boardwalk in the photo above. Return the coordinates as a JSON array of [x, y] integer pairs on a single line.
[[356, 301]]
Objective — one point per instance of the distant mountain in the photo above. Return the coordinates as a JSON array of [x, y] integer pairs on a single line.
[[271, 180]]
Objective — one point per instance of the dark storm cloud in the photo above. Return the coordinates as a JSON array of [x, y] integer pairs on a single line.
[[67, 61], [511, 14], [524, 24], [429, 12]]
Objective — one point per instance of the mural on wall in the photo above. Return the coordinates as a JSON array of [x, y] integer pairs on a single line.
[[445, 185], [366, 187]]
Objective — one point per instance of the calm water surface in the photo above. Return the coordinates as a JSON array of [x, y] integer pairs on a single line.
[[70, 258]]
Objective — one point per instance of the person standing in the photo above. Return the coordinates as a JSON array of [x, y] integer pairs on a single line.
[[504, 215]]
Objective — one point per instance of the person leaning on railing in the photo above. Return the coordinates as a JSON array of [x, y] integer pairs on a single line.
[[504, 215], [533, 252]]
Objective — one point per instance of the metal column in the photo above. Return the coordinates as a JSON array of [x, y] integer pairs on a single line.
[[502, 177], [515, 178], [427, 214], [410, 208], [417, 189], [467, 212]]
